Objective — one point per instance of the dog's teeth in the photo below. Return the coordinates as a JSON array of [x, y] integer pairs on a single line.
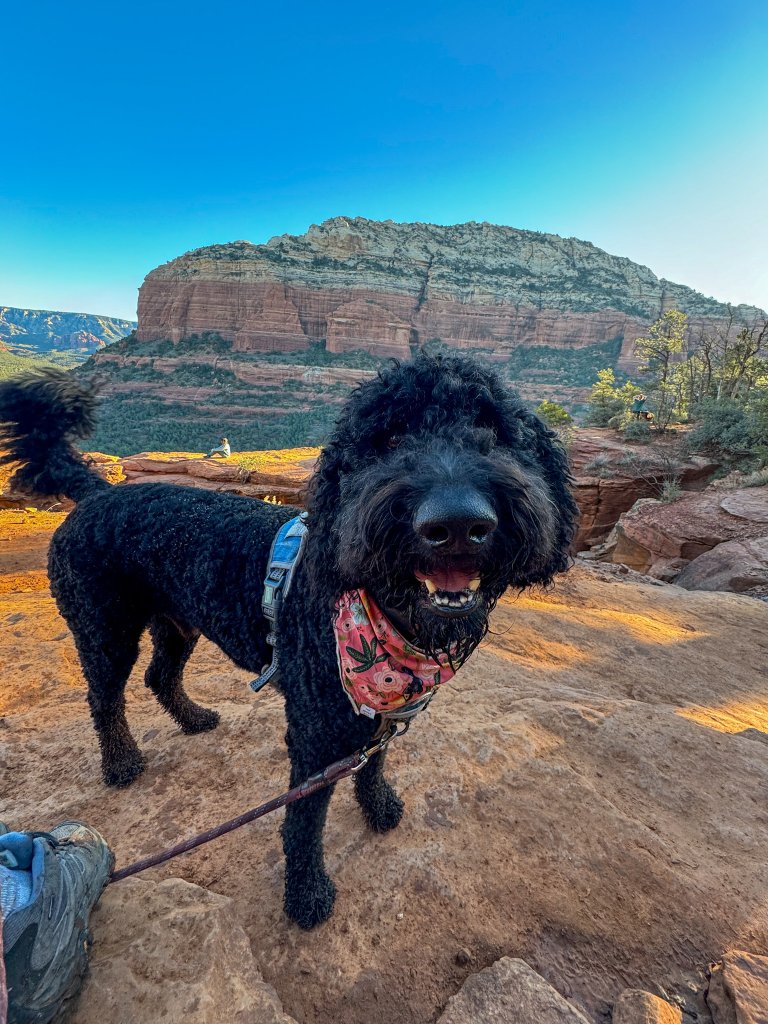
[[430, 586], [474, 584]]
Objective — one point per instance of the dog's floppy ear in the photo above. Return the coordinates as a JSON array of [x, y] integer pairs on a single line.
[[553, 461], [523, 432], [323, 492], [358, 419]]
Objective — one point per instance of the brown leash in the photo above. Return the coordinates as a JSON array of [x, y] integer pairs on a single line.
[[347, 766]]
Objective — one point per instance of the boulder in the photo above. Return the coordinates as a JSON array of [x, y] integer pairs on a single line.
[[719, 1002], [749, 503], [654, 532], [637, 1007], [736, 565], [738, 989], [508, 991], [172, 951]]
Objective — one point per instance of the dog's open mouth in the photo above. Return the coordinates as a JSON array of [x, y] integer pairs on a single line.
[[450, 592]]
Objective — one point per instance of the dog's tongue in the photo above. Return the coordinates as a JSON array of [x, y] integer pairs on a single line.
[[451, 580]]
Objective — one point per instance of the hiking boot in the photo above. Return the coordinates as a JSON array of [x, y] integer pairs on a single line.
[[57, 880]]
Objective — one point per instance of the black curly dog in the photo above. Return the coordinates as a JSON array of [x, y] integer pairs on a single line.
[[435, 471]]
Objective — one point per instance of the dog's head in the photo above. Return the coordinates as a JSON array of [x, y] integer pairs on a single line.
[[437, 491]]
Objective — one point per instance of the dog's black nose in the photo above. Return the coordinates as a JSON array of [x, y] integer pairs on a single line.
[[455, 519]]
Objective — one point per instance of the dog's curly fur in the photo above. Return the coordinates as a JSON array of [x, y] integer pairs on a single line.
[[184, 562]]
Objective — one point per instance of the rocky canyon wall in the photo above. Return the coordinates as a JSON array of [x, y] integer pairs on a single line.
[[389, 288], [45, 329]]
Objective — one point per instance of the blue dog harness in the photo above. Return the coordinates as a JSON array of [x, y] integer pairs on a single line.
[[284, 556]]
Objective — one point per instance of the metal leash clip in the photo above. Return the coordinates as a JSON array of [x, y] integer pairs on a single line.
[[387, 731]]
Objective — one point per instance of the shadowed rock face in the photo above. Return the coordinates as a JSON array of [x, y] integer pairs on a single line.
[[609, 477], [386, 287]]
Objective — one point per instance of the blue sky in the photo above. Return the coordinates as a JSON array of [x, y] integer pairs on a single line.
[[134, 133]]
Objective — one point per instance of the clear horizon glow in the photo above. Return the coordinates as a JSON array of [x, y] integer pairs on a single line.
[[135, 134]]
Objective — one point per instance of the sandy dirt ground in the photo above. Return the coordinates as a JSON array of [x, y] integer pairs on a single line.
[[589, 794]]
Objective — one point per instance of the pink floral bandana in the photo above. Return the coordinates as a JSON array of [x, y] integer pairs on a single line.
[[380, 671]]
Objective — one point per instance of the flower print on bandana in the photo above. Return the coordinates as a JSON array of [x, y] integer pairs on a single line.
[[380, 670]]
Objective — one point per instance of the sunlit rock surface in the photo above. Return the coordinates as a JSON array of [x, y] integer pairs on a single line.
[[587, 795]]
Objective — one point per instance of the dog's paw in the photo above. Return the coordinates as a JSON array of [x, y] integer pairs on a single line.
[[309, 905], [201, 720], [385, 811], [125, 771]]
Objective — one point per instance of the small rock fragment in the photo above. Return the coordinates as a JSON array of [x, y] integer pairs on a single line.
[[738, 989], [509, 991], [637, 1007]]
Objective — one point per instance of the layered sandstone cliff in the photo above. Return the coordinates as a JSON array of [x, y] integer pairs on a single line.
[[388, 288]]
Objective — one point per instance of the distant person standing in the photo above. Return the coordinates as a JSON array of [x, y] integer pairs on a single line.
[[638, 407], [224, 450]]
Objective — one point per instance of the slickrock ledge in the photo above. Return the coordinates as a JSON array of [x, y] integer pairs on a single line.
[[278, 475], [585, 796], [284, 475]]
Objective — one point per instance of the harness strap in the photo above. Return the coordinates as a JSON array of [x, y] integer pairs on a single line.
[[284, 555]]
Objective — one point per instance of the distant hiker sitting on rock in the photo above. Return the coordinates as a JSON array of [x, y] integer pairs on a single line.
[[224, 450], [638, 407]]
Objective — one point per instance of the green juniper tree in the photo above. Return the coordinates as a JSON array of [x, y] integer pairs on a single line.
[[608, 403], [662, 354]]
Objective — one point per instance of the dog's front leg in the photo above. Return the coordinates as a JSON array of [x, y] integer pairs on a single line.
[[381, 806], [309, 892]]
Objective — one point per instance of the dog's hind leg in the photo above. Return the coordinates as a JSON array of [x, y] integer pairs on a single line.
[[381, 806], [107, 654], [164, 676]]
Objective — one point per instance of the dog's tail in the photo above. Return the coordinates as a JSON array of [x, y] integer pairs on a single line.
[[42, 414]]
